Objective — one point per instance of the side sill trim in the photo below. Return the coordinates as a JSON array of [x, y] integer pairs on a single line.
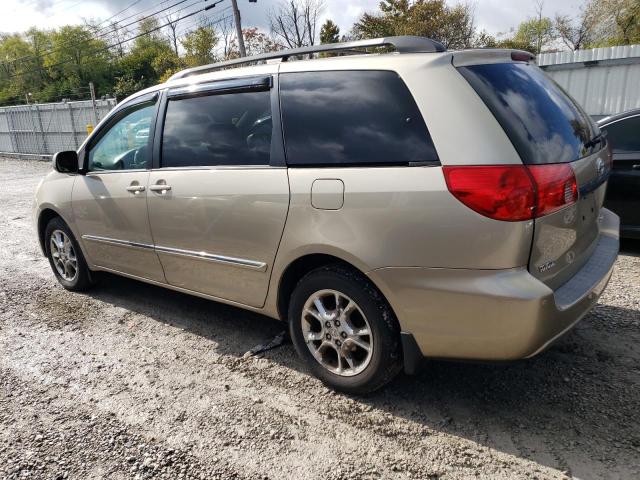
[[236, 262]]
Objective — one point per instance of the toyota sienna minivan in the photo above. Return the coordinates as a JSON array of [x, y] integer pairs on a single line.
[[389, 206]]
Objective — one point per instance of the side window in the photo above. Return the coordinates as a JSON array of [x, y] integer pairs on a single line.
[[223, 129], [624, 135], [125, 145], [352, 118]]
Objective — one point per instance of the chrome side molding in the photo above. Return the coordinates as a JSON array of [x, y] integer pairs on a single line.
[[113, 241], [236, 262]]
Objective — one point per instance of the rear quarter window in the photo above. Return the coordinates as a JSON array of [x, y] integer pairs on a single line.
[[345, 118], [544, 124]]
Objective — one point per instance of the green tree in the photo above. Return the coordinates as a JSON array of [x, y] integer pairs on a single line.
[[77, 58], [618, 22], [148, 61], [451, 25], [14, 73], [536, 32], [199, 46], [329, 32], [40, 42]]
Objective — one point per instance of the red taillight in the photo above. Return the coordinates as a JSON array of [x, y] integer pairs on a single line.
[[556, 185], [499, 192], [513, 192]]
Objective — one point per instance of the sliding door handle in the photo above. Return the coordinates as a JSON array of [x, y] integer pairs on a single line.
[[160, 188], [135, 188]]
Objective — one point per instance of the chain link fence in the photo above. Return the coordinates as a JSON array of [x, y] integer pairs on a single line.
[[40, 130]]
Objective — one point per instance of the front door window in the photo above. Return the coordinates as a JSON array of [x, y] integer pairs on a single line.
[[126, 144]]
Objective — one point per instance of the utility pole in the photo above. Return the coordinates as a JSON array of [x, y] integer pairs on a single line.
[[93, 102], [236, 16]]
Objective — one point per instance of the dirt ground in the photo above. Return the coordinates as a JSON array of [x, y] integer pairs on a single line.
[[134, 381]]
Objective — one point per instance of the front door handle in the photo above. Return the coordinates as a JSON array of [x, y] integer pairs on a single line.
[[635, 167], [135, 189], [162, 188]]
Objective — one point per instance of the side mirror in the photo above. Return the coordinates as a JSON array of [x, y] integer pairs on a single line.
[[66, 162]]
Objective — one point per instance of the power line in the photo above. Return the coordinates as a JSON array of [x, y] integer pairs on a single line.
[[213, 22], [139, 12], [68, 45], [201, 22], [145, 17], [123, 10], [100, 50], [69, 7]]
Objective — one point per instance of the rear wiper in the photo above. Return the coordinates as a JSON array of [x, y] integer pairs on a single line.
[[599, 138]]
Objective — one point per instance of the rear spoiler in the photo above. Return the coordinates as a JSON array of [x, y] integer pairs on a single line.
[[480, 56]]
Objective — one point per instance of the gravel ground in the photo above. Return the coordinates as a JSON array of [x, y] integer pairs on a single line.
[[134, 381]]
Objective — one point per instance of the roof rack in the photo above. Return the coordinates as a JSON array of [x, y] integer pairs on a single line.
[[404, 44]]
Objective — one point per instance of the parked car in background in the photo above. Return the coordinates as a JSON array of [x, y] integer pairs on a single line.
[[388, 206], [623, 192]]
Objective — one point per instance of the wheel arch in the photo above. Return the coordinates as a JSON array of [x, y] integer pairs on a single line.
[[298, 268], [304, 264], [44, 217]]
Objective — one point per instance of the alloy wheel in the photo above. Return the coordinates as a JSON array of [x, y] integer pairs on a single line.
[[64, 256], [337, 332]]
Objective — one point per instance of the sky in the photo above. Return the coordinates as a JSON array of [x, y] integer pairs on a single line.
[[495, 16]]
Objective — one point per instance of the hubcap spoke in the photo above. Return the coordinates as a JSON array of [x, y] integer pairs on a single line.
[[360, 343], [340, 369], [349, 360], [321, 310], [313, 314], [314, 336]]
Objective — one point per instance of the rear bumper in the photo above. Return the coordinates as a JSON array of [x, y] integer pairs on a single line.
[[494, 314]]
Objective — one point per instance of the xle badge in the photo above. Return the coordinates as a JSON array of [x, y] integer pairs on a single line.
[[545, 267]]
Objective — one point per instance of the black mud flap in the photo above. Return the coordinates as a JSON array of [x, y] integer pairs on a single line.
[[411, 353]]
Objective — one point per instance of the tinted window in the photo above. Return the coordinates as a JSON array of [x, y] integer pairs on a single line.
[[544, 124], [352, 118], [125, 145], [228, 129], [624, 135]]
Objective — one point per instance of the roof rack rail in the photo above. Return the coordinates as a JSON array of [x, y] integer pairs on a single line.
[[404, 44]]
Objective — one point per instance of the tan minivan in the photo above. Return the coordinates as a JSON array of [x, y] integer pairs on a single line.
[[389, 206]]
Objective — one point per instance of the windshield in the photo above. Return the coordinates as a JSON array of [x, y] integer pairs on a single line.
[[544, 123]]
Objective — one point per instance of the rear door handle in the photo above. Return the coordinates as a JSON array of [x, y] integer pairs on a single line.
[[135, 188], [160, 188], [635, 167]]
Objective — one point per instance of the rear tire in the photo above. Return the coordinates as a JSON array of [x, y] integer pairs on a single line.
[[345, 330], [65, 257]]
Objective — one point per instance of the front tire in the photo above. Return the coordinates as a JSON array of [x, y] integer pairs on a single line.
[[65, 257], [345, 330]]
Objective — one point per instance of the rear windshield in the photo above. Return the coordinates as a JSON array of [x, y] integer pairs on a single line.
[[544, 124]]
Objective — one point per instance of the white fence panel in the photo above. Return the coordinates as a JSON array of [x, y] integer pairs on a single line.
[[605, 81], [46, 128]]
